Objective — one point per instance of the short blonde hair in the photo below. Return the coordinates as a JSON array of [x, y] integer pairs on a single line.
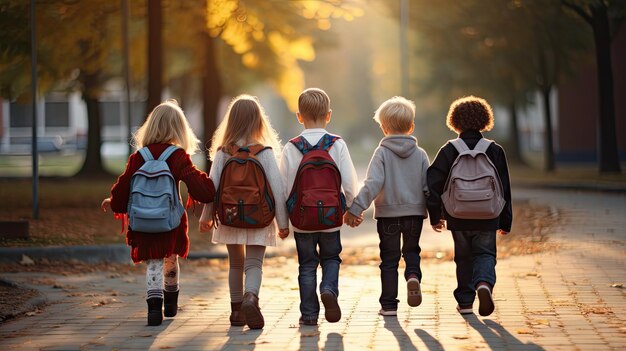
[[470, 113], [246, 121], [313, 104], [396, 114], [166, 124]]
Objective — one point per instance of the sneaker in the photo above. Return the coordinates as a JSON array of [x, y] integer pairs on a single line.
[[332, 312], [384, 312], [485, 299], [414, 292], [303, 321], [465, 309]]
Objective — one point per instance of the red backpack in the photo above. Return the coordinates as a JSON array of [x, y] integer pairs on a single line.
[[244, 198], [316, 201]]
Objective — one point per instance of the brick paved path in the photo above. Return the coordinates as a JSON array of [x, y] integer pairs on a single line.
[[558, 300]]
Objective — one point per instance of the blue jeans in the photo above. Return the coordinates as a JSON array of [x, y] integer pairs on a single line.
[[309, 258], [475, 258], [389, 231]]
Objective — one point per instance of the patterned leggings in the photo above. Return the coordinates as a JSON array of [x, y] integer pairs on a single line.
[[158, 270]]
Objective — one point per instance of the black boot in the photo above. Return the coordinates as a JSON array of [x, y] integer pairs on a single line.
[[236, 316], [251, 311], [170, 303], [155, 313]]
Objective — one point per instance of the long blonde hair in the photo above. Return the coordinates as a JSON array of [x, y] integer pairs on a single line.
[[245, 120], [167, 124]]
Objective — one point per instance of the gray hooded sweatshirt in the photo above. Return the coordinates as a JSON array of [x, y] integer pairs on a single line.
[[396, 179]]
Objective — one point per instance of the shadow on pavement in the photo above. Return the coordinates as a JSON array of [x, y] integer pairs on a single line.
[[430, 342], [404, 342], [498, 337]]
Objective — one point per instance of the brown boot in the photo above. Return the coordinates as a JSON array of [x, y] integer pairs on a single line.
[[237, 318], [251, 311]]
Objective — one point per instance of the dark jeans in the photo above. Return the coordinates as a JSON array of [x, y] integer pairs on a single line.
[[389, 232], [309, 258], [475, 258]]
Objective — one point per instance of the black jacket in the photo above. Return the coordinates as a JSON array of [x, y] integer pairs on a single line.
[[438, 174]]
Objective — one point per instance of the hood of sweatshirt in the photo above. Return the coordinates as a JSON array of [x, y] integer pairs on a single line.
[[401, 145]]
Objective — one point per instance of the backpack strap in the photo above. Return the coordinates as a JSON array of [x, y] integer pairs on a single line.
[[146, 154], [168, 152], [483, 145], [459, 145], [325, 143], [253, 149]]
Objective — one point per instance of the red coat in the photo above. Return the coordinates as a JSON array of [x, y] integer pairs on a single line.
[[145, 246]]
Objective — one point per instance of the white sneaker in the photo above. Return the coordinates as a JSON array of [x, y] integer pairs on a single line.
[[383, 312], [465, 309], [485, 299]]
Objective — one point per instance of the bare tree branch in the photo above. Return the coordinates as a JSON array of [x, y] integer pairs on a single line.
[[579, 10]]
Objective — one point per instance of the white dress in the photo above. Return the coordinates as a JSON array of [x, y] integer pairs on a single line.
[[257, 236]]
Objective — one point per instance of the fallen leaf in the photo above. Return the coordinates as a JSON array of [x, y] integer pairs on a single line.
[[532, 274], [524, 331], [460, 337], [617, 285], [27, 261]]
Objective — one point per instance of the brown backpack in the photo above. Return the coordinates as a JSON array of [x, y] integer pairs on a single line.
[[244, 198]]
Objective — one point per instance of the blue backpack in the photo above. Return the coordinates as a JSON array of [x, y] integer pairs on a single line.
[[154, 205]]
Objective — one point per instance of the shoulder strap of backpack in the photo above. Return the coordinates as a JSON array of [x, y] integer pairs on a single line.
[[146, 154], [168, 152], [483, 145], [252, 149], [301, 144], [327, 141], [257, 149], [459, 145]]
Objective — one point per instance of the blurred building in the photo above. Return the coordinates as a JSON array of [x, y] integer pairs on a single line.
[[578, 109]]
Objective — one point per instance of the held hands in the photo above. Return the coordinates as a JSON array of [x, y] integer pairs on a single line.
[[352, 220], [440, 226], [205, 226], [106, 204], [283, 233]]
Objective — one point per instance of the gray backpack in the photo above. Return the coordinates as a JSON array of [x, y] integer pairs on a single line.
[[473, 189], [154, 205]]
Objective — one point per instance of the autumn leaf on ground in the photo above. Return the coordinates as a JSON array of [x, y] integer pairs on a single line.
[[460, 337], [524, 331], [617, 285]]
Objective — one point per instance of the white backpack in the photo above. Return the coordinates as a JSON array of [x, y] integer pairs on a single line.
[[473, 189]]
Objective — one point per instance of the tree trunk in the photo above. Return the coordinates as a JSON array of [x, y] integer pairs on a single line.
[[92, 166], [548, 138], [211, 93], [155, 54], [608, 154], [514, 151]]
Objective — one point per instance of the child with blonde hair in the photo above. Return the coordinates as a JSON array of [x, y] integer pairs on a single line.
[[396, 182], [165, 135], [246, 127]]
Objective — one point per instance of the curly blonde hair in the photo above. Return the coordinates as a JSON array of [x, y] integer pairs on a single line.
[[470, 113]]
